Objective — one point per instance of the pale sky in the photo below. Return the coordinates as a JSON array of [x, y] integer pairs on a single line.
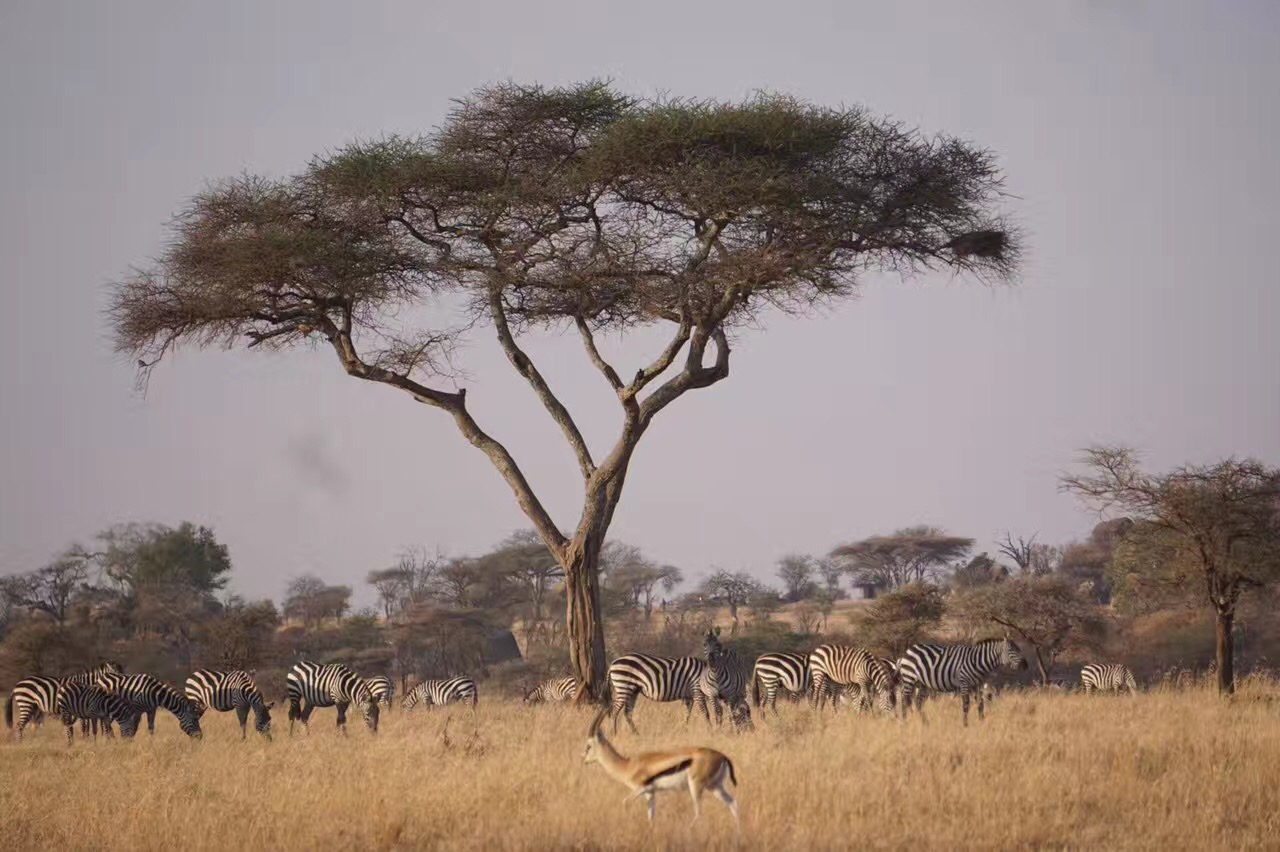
[[1139, 138]]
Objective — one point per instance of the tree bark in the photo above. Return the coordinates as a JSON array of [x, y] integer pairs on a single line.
[[1226, 653], [581, 563]]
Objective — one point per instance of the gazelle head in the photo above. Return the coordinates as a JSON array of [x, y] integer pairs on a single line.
[[595, 737]]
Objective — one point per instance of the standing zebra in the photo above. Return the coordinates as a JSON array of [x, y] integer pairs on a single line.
[[865, 675], [555, 689], [788, 672], [656, 678], [332, 685], [954, 668], [382, 688], [148, 694], [33, 698], [436, 693], [725, 679], [224, 691], [86, 701], [1108, 677]]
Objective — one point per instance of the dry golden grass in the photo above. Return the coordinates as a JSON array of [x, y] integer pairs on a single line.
[[1162, 770]]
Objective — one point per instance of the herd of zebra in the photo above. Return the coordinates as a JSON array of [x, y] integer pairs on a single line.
[[104, 695]]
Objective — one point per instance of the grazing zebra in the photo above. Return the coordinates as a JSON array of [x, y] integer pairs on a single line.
[[435, 693], [1108, 677], [148, 694], [382, 688], [33, 697], [332, 685], [788, 672], [656, 678], [86, 701], [555, 689], [954, 668], [224, 691], [863, 674], [725, 679]]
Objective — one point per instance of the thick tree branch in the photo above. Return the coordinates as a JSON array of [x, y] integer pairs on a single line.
[[694, 375], [525, 367], [593, 352], [664, 361]]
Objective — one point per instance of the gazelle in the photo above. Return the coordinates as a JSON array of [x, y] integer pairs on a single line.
[[645, 774]]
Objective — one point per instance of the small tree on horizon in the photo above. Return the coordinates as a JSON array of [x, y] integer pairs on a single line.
[[534, 209], [909, 555]]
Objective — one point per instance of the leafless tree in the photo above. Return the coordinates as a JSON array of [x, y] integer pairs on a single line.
[[50, 590], [796, 570], [1029, 555], [534, 209], [910, 555], [1224, 518], [732, 590]]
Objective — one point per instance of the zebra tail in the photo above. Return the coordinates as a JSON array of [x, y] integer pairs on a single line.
[[8, 712]]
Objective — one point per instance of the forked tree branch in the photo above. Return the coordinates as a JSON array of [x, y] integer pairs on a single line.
[[455, 404]]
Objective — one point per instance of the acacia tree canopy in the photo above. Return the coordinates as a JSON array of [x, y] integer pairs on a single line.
[[535, 208], [910, 555]]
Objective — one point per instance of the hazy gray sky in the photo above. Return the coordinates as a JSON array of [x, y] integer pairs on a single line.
[[1139, 136]]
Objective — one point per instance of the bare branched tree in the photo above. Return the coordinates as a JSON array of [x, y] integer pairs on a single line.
[[534, 209], [1029, 555], [1224, 518]]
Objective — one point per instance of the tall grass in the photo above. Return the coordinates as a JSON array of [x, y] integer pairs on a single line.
[[1166, 769]]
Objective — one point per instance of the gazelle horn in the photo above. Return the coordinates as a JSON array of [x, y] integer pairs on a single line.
[[595, 723]]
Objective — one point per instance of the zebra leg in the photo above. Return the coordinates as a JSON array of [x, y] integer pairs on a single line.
[[71, 728], [628, 707], [342, 717], [151, 721], [305, 718], [242, 713], [964, 704], [981, 702]]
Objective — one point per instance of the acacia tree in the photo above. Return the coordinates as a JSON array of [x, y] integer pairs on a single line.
[[910, 555], [539, 209], [796, 570], [1222, 518]]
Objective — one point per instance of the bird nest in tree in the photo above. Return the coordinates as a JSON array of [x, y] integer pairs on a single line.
[[985, 244]]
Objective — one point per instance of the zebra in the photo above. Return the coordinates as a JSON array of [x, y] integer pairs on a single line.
[[555, 689], [1108, 677], [33, 698], [333, 685], [725, 679], [436, 693], [771, 672], [85, 701], [224, 691], [863, 674], [656, 678], [148, 694], [383, 689], [954, 668]]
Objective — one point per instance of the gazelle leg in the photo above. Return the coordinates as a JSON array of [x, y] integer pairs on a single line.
[[695, 792], [649, 801], [731, 803]]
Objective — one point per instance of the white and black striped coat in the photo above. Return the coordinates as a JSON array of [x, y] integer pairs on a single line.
[[149, 694], [313, 685], [954, 668], [436, 693], [225, 691]]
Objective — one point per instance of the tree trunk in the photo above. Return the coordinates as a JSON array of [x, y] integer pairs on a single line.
[[1226, 653], [1044, 671], [586, 630]]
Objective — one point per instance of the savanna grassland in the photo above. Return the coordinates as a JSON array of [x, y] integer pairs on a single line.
[[1161, 770]]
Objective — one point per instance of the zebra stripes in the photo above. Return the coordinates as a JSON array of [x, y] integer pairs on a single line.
[[85, 701], [954, 668], [656, 678], [555, 689], [312, 685], [1108, 677], [436, 693], [383, 689], [32, 698], [871, 678], [225, 691], [149, 694], [773, 672], [725, 678]]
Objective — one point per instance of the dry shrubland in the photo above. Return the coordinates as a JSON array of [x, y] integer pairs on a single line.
[[1165, 769]]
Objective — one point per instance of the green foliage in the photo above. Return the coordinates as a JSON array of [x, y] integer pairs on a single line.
[[896, 620], [141, 556]]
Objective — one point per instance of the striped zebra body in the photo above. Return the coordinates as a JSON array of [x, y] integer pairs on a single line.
[[150, 694], [383, 689], [725, 679], [32, 698], [313, 685], [436, 693], [86, 701], [656, 678], [226, 691], [954, 668], [1108, 677], [773, 672], [869, 678], [555, 689]]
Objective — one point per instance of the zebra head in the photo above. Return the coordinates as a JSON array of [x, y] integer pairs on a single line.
[[368, 709], [1011, 655], [262, 717], [533, 696], [711, 646], [189, 720], [129, 723]]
